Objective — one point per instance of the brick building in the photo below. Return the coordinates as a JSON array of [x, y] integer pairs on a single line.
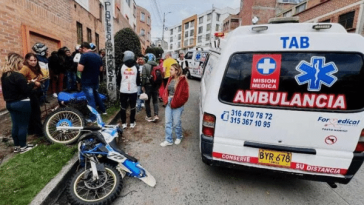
[[349, 13], [143, 27], [231, 23], [263, 9], [55, 23]]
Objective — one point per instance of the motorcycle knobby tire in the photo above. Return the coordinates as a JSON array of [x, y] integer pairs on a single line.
[[55, 117], [74, 197]]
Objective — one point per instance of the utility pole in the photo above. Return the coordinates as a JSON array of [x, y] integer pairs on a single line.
[[164, 20]]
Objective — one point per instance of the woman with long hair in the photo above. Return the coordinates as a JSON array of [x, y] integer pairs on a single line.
[[32, 72], [175, 96], [16, 90]]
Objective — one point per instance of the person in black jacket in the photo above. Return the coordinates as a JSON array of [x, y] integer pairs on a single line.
[[16, 92], [56, 73]]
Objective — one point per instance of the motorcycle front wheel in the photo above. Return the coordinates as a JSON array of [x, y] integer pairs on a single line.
[[83, 190], [63, 117]]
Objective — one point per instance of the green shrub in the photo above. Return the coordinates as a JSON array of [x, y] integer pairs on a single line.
[[125, 40]]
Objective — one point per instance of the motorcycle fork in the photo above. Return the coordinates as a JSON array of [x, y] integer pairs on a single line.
[[95, 175]]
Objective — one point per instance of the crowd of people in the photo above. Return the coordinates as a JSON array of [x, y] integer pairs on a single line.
[[26, 80]]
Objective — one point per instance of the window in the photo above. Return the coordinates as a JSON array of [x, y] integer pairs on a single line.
[[287, 14], [326, 21], [217, 27], [128, 2], [301, 8], [192, 32], [209, 16], [134, 27], [217, 17], [179, 44], [135, 11], [97, 41], [89, 35], [179, 36], [142, 16], [171, 46], [79, 33], [200, 29], [208, 27], [171, 31], [189, 55], [179, 28], [349, 77], [199, 39], [142, 32], [148, 36], [186, 25], [347, 19], [185, 43], [208, 37], [100, 12], [186, 34], [200, 20], [171, 39], [192, 24], [191, 41], [148, 20]]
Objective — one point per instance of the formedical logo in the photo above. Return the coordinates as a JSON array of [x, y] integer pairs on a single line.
[[338, 122]]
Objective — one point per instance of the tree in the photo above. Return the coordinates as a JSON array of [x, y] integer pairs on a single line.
[[125, 40]]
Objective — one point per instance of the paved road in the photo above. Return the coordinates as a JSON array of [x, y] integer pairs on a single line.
[[182, 178]]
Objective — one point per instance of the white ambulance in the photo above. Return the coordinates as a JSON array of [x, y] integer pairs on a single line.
[[286, 98], [195, 59]]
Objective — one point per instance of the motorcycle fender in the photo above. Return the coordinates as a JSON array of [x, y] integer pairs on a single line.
[[148, 178]]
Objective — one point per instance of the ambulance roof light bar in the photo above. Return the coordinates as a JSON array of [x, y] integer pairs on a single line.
[[220, 34], [259, 28], [321, 26]]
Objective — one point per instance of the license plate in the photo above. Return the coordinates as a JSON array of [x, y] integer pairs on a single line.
[[275, 158]]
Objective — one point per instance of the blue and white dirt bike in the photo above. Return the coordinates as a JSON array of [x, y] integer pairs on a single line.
[[71, 112], [103, 165]]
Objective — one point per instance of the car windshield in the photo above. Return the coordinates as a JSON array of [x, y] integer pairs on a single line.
[[297, 80]]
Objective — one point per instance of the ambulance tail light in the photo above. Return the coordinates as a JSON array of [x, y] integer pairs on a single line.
[[360, 145], [322, 26], [259, 28], [208, 125]]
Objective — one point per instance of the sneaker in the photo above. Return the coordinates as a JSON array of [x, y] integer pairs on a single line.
[[31, 145], [55, 95], [25, 149], [143, 105], [132, 125], [90, 121], [105, 113], [156, 118], [178, 141], [166, 143], [124, 126], [16, 149], [149, 119]]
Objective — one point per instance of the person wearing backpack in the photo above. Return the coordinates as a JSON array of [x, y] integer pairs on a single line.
[[151, 81]]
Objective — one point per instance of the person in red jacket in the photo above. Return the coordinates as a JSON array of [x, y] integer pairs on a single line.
[[174, 97]]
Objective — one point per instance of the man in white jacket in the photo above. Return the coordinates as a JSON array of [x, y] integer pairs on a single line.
[[129, 79]]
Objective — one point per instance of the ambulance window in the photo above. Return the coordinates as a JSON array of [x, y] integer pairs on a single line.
[[297, 80], [189, 55], [205, 63]]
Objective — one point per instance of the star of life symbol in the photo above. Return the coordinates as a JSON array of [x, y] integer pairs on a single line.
[[198, 56], [266, 66], [316, 73]]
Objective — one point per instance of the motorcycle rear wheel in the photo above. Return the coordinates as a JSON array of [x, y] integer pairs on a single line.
[[82, 191], [68, 117]]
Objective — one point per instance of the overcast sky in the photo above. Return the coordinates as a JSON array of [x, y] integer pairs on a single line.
[[180, 9]]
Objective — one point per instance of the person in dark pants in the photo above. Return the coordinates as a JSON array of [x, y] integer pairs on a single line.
[[152, 90], [90, 65], [129, 79], [16, 90], [32, 72], [41, 51]]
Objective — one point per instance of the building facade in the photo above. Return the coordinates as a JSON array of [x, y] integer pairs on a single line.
[[263, 9], [230, 23], [143, 27], [197, 30], [348, 13]]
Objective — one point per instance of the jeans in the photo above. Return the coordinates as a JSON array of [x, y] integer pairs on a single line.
[[71, 80], [152, 93], [45, 90], [173, 120], [93, 98], [124, 97], [139, 101], [20, 114]]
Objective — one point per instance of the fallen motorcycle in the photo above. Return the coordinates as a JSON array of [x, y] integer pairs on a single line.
[[103, 165], [71, 112]]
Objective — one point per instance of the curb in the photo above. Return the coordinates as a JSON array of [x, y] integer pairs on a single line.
[[54, 189]]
